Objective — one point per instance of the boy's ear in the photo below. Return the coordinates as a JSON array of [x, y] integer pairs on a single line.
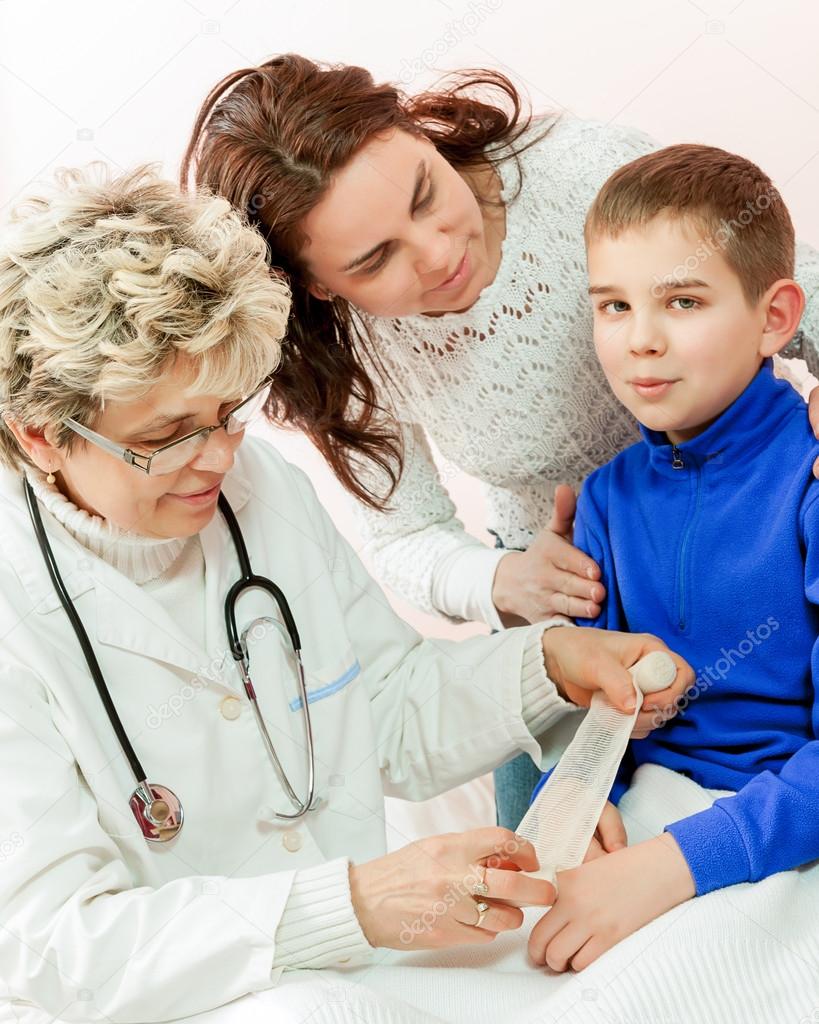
[[783, 305]]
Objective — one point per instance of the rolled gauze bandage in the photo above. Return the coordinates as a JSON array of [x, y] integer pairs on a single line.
[[562, 820]]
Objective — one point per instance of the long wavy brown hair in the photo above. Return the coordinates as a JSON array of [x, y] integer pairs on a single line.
[[269, 139]]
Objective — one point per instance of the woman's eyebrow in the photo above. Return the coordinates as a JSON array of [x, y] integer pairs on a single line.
[[420, 175], [161, 421]]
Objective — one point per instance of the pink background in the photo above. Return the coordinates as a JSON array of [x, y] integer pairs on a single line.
[[121, 82]]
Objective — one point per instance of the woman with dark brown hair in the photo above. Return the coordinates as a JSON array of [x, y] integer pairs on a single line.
[[435, 250]]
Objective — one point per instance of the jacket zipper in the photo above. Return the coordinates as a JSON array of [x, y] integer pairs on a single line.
[[678, 463]]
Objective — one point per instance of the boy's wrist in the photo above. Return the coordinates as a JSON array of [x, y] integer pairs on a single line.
[[675, 869]]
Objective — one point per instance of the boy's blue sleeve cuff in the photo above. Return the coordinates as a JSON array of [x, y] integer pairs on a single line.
[[713, 849], [618, 791], [541, 784]]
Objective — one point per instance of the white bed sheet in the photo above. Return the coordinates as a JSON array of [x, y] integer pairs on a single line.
[[744, 955]]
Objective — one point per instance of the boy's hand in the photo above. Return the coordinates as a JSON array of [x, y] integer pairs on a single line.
[[609, 836], [606, 899]]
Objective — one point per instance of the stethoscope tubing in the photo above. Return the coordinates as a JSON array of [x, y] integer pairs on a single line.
[[147, 796], [238, 648], [87, 650]]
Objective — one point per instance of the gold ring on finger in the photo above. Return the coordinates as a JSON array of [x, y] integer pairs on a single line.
[[481, 888], [482, 909]]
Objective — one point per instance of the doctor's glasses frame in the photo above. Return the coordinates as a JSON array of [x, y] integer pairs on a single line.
[[176, 454]]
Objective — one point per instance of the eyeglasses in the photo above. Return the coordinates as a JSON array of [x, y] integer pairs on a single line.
[[173, 456]]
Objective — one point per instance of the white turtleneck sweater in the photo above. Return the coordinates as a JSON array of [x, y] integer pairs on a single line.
[[172, 570], [319, 913]]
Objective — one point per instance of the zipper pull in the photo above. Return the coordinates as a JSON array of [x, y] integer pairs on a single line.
[[676, 458]]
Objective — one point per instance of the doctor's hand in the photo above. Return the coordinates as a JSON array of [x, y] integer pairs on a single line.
[[580, 660], [552, 577], [420, 897]]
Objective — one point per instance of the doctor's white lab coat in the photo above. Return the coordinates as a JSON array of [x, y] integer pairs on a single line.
[[98, 924]]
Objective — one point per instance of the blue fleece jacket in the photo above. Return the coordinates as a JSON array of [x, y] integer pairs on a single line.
[[713, 545]]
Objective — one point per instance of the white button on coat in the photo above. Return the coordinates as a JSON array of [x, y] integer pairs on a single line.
[[291, 841], [231, 708]]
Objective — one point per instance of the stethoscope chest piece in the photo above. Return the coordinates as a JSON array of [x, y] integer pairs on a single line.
[[159, 818]]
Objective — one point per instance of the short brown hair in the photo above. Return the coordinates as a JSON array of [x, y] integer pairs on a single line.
[[726, 196]]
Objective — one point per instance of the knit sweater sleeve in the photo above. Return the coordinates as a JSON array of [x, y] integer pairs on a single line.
[[318, 926], [421, 550], [770, 824]]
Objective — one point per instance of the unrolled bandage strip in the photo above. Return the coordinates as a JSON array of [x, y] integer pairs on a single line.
[[562, 820]]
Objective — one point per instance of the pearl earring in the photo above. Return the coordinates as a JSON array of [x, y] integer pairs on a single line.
[[50, 479]]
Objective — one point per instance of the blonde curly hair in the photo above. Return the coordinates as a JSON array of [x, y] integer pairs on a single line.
[[105, 280]]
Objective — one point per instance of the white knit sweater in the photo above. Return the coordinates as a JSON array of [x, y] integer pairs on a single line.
[[510, 391]]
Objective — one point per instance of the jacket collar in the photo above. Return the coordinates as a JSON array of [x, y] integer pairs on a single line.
[[743, 428]]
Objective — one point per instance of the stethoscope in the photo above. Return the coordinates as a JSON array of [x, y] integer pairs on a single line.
[[157, 809]]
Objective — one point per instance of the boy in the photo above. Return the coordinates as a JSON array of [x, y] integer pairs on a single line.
[[706, 531]]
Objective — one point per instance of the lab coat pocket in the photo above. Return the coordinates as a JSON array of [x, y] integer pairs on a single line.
[[335, 711], [329, 682], [344, 799]]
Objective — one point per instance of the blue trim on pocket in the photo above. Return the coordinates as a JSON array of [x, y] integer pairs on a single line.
[[330, 688]]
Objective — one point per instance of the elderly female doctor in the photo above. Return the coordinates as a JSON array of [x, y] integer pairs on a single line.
[[173, 834]]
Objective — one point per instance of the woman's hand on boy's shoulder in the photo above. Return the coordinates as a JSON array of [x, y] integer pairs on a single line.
[[813, 414], [552, 577]]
